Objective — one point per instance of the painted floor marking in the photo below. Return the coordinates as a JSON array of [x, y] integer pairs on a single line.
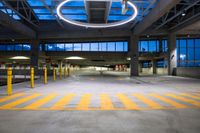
[[11, 97], [84, 102], [128, 103], [40, 102], [147, 101], [169, 101], [63, 101], [106, 103], [190, 95], [184, 99], [20, 101]]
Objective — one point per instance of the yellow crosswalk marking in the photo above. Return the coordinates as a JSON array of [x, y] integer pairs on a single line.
[[190, 95], [11, 97], [128, 103], [149, 102], [20, 101], [184, 99], [106, 103], [40, 102], [169, 101], [62, 102], [84, 102]]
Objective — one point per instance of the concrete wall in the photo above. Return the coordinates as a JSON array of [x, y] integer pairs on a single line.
[[149, 71], [188, 72]]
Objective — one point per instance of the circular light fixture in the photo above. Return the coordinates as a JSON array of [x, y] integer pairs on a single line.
[[94, 25]]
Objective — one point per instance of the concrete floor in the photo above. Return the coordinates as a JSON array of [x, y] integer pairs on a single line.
[[112, 121]]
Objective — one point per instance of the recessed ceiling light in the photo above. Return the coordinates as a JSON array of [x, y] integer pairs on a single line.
[[183, 14], [20, 58], [94, 25], [74, 58]]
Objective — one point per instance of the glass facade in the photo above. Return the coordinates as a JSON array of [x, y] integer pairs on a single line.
[[152, 46], [188, 52], [121, 46], [15, 47]]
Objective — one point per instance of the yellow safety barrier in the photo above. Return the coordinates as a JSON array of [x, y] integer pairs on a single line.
[[45, 75], [32, 78], [65, 72], [54, 74], [9, 81], [60, 70], [68, 71]]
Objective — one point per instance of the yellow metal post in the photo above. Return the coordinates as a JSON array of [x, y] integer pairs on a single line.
[[9, 81], [68, 71], [65, 72], [45, 75], [54, 74], [32, 78], [60, 70]]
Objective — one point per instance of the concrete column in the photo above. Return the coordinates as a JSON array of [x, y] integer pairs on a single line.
[[34, 57], [172, 55], [134, 55], [154, 66]]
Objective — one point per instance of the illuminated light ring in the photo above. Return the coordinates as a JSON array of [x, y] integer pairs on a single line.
[[93, 25]]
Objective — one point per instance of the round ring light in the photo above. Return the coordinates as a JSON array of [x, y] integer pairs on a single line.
[[94, 25]]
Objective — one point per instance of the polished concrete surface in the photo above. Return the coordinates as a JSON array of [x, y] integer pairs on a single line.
[[103, 103]]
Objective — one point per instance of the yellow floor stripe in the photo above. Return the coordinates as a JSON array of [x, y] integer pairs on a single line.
[[20, 101], [84, 102], [62, 102], [149, 102], [11, 97], [169, 101], [190, 95], [128, 103], [40, 102], [106, 103], [184, 99]]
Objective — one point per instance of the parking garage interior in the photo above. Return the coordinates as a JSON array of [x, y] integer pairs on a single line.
[[91, 66]]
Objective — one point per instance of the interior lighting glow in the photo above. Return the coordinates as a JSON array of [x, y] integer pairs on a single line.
[[74, 58], [19, 58], [94, 25]]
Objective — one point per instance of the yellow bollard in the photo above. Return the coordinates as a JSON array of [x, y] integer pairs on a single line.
[[65, 72], [68, 71], [9, 81], [60, 73], [32, 78], [45, 75], [54, 74]]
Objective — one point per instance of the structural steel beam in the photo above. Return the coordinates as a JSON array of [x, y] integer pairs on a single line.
[[161, 8], [17, 26]]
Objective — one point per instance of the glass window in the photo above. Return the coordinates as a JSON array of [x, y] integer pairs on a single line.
[[144, 46], [51, 47], [60, 47], [190, 43], [26, 47], [119, 46], [10, 47], [85, 47], [197, 43], [182, 43], [77, 46], [126, 46], [2, 47], [18, 47], [68, 47], [94, 47], [152, 46], [103, 46], [190, 55], [111, 46]]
